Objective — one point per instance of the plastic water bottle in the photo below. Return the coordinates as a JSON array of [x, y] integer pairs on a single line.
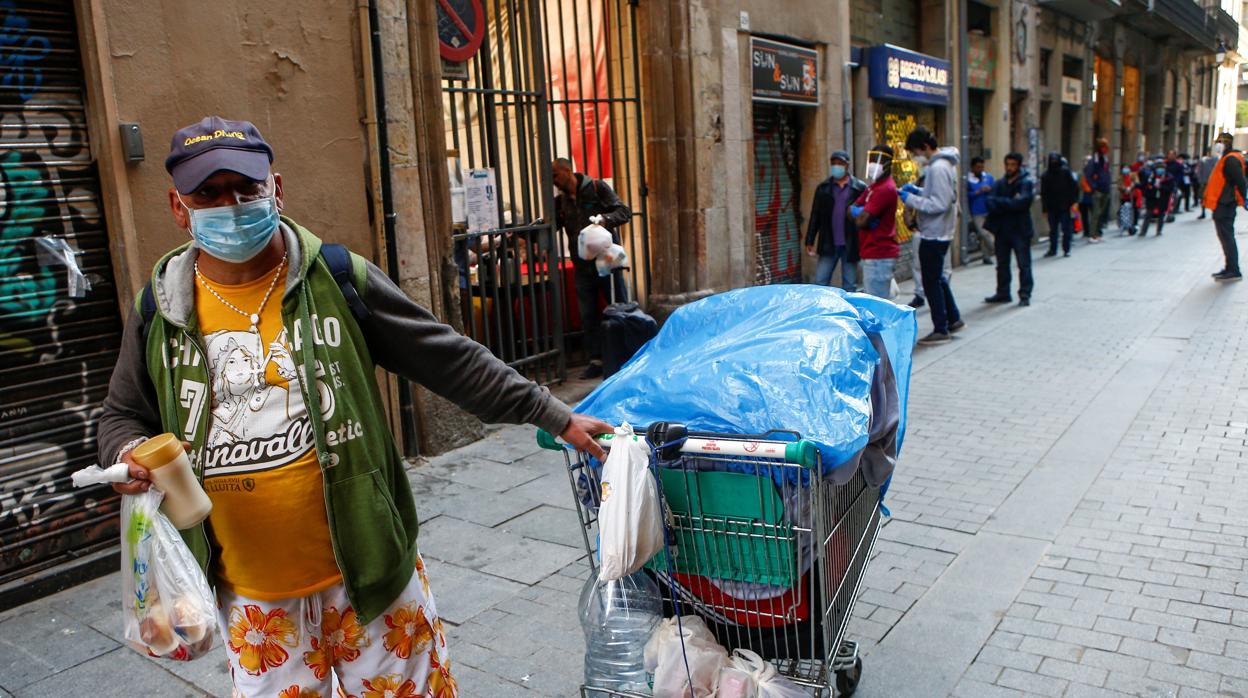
[[618, 618]]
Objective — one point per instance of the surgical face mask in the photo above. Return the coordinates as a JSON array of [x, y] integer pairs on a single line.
[[1161, 171], [1126, 170], [1218, 149], [875, 165], [920, 161], [836, 171], [235, 233]]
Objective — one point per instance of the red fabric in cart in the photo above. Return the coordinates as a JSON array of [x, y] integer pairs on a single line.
[[762, 613]]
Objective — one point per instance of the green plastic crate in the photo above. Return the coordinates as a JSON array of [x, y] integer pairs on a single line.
[[728, 526]]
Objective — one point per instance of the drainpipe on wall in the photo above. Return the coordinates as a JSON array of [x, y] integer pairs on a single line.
[[382, 194], [964, 138], [847, 107]]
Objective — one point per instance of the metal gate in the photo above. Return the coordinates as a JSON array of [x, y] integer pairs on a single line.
[[59, 327], [553, 78], [777, 229]]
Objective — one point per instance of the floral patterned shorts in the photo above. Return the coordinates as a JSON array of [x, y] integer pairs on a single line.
[[313, 646]]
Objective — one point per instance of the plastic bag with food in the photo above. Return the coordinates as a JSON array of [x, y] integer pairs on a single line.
[[168, 608]]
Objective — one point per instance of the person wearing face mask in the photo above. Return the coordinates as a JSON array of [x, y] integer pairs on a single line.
[[256, 343], [936, 204], [1099, 180], [875, 214], [1207, 163], [832, 235], [1225, 193], [1159, 196]]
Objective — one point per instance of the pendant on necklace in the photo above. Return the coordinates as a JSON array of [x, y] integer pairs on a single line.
[[255, 323]]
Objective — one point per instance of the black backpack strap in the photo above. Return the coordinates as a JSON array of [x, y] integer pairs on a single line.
[[147, 307], [338, 258]]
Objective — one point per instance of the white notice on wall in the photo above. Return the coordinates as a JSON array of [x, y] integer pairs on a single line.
[[481, 199]]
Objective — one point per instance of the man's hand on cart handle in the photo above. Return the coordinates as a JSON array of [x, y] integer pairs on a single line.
[[581, 431]]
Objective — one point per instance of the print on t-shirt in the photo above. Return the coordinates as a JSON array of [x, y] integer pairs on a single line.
[[259, 420]]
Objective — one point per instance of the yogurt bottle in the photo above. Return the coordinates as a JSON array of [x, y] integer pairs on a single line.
[[185, 502]]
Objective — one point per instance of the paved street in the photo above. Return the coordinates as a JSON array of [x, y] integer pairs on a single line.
[[1069, 515]]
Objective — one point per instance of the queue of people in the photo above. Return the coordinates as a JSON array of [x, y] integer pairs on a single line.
[[853, 221], [853, 225]]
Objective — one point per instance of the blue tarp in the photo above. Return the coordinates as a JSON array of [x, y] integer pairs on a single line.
[[787, 357]]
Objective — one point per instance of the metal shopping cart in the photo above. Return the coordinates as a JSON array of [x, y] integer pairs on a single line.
[[760, 545]]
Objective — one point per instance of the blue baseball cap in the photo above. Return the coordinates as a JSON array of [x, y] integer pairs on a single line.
[[201, 150]]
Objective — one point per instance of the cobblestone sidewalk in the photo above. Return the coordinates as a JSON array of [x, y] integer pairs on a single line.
[[1069, 516]]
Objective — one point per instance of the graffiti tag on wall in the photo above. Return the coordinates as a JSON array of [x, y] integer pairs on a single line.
[[56, 351]]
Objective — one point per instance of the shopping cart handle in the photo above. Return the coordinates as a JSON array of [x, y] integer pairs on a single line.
[[801, 452], [548, 441]]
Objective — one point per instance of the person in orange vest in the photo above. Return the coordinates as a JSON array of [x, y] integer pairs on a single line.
[[1225, 193]]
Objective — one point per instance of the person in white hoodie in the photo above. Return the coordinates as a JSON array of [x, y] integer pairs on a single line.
[[936, 204]]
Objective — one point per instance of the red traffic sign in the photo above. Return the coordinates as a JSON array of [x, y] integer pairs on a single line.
[[461, 29]]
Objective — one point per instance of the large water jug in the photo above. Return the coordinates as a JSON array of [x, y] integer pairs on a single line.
[[618, 618]]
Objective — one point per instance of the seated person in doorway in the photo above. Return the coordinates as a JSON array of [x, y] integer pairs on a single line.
[[581, 198]]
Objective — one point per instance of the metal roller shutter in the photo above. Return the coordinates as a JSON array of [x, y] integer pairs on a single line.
[[57, 344], [776, 191]]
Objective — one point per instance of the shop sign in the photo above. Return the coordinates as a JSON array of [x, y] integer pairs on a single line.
[[784, 73], [901, 75], [981, 61], [1072, 91]]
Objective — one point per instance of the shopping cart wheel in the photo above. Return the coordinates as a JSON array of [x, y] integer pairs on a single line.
[[847, 679]]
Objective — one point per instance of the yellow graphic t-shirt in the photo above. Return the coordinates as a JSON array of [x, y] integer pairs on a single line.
[[268, 523]]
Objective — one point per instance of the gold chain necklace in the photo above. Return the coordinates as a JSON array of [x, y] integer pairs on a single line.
[[254, 318]]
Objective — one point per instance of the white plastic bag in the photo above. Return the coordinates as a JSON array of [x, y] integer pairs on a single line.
[[735, 683], [769, 683], [704, 656], [614, 257], [593, 241], [630, 524], [167, 607]]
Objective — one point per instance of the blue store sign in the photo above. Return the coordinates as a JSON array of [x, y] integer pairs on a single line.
[[899, 75]]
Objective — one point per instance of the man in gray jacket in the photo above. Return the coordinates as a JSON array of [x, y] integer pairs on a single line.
[[936, 204]]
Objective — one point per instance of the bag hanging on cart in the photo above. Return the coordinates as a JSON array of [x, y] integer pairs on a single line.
[[630, 522]]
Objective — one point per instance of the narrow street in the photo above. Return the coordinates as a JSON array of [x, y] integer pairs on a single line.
[[1069, 514]]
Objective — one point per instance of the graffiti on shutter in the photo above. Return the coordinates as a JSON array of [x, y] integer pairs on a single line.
[[776, 194], [58, 342]]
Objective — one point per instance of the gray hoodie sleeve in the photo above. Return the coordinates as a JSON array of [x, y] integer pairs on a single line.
[[130, 409], [408, 340], [940, 190]]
